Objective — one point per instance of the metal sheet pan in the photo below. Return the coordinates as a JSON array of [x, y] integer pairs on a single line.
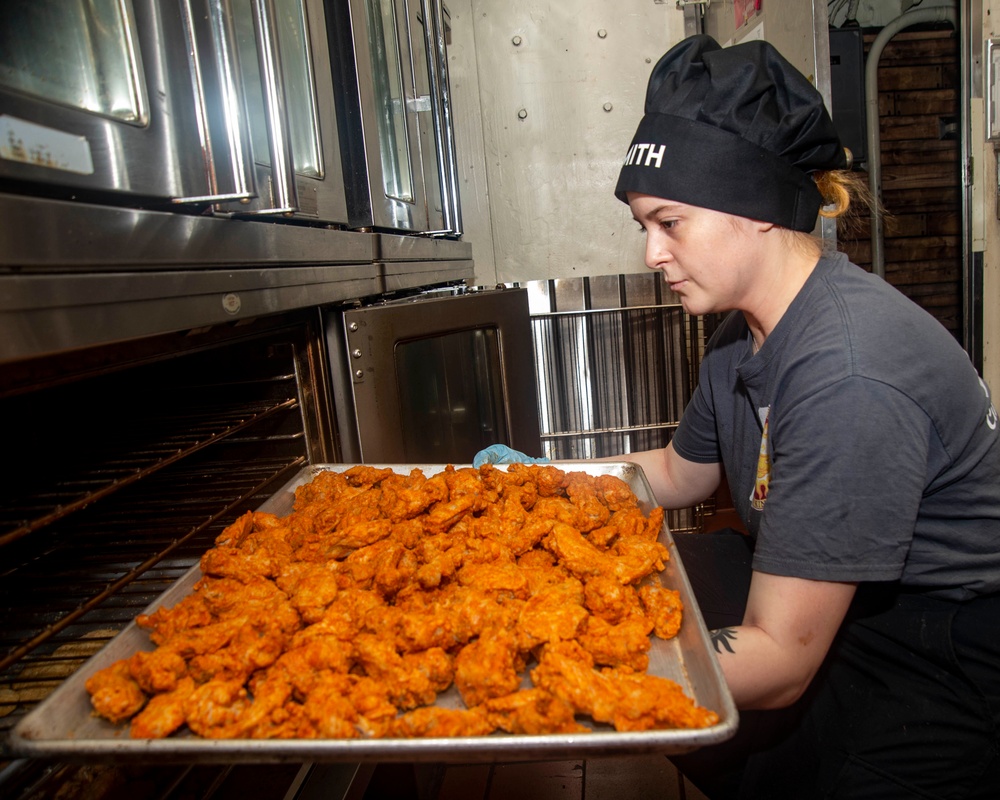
[[63, 726]]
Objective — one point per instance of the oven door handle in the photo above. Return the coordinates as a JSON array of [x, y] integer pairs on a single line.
[[218, 101], [284, 194], [444, 128]]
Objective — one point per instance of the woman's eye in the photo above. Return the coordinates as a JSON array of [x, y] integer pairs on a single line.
[[667, 224]]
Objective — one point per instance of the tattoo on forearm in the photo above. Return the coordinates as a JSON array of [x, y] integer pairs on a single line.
[[723, 637]]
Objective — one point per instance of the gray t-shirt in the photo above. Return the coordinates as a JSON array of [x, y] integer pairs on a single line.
[[860, 444]]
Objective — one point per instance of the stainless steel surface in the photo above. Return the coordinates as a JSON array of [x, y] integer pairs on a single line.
[[62, 725], [397, 276], [218, 101], [44, 314], [272, 79], [473, 384], [74, 274], [615, 364], [387, 115], [394, 247], [290, 109], [50, 235], [153, 151], [436, 31]]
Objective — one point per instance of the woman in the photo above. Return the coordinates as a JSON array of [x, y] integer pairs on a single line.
[[860, 446]]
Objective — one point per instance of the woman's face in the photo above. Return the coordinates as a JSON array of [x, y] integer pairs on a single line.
[[707, 257]]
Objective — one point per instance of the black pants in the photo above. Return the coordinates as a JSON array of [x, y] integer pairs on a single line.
[[907, 704]]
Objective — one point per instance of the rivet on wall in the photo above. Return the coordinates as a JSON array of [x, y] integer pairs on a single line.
[[522, 114], [608, 106], [602, 34], [516, 41]]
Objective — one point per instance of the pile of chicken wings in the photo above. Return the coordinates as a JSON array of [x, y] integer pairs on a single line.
[[533, 591]]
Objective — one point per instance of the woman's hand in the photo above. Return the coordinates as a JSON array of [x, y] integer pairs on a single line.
[[502, 454]]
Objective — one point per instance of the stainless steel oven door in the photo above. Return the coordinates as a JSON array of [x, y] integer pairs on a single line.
[[395, 109], [438, 376], [285, 68], [122, 99]]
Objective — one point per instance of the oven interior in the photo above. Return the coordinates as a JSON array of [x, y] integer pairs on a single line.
[[123, 463]]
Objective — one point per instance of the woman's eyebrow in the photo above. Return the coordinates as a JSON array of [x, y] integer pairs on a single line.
[[658, 210]]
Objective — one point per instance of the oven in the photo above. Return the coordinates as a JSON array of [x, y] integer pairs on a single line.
[[131, 458], [206, 106], [323, 112], [436, 376], [105, 99], [395, 111], [159, 373], [290, 116]]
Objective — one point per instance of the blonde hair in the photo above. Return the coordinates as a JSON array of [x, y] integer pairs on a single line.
[[839, 189]]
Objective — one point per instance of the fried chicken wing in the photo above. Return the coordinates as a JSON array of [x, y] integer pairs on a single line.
[[164, 713], [114, 693], [413, 679], [647, 702], [487, 667], [434, 722], [157, 671], [216, 709], [532, 711], [191, 612], [625, 644], [555, 613], [664, 608], [631, 701], [615, 493], [636, 558], [609, 599], [310, 587], [575, 553]]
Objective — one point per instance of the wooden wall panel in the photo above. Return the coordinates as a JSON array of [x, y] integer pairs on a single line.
[[921, 182]]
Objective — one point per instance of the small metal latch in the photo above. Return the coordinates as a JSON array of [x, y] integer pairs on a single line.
[[417, 104], [682, 4]]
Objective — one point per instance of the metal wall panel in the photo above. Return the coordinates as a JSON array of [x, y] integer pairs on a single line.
[[560, 93]]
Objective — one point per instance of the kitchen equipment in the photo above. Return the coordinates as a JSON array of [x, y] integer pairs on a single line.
[[395, 112], [200, 105], [438, 375]]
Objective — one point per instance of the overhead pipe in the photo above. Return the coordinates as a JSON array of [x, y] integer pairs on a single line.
[[910, 18]]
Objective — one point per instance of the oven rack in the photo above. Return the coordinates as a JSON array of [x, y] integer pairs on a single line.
[[124, 462], [71, 592]]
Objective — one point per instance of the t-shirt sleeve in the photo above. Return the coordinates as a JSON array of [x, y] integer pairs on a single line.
[[848, 467], [696, 438]]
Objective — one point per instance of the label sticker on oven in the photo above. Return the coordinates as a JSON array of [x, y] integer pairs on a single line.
[[44, 147]]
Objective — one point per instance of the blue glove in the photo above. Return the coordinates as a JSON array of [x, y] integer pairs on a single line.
[[501, 454]]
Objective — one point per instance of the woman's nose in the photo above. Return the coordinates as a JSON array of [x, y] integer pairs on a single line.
[[656, 253]]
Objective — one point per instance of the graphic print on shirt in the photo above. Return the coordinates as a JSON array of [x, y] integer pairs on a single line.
[[759, 496], [991, 415]]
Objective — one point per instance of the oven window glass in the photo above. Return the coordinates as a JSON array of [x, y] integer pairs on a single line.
[[298, 85], [451, 395], [387, 75], [78, 53]]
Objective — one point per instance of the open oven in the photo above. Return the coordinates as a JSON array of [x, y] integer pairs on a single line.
[[435, 377], [131, 458]]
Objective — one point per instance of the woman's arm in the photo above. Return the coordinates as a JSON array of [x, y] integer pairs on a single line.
[[786, 633], [675, 481]]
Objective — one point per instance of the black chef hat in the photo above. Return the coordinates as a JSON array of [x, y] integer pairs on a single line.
[[735, 129]]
